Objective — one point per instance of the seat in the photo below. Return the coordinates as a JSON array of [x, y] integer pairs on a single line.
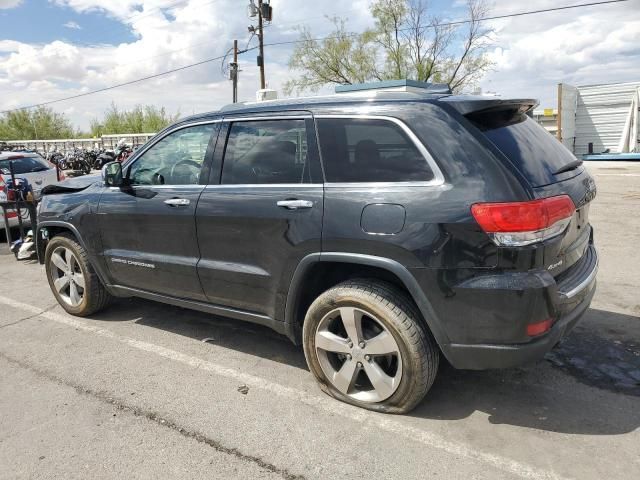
[[275, 163], [366, 159]]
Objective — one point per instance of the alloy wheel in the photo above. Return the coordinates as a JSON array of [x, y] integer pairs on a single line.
[[358, 354], [66, 274]]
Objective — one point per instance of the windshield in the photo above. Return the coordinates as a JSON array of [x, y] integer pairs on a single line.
[[24, 165]]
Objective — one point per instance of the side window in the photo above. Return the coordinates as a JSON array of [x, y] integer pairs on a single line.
[[369, 150], [176, 159], [266, 151]]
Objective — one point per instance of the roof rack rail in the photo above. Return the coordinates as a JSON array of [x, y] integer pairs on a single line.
[[396, 85], [233, 106]]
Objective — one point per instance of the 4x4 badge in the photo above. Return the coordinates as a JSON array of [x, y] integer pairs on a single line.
[[555, 265]]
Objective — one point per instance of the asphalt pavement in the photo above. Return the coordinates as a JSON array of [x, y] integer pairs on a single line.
[[144, 390]]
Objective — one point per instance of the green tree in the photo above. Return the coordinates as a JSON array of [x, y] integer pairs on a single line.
[[140, 119], [342, 58], [391, 16], [405, 42], [36, 124]]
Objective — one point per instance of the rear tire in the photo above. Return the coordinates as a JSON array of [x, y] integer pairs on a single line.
[[72, 279], [392, 363]]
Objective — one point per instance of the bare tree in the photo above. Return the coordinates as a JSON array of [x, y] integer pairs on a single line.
[[428, 43], [406, 42], [472, 62]]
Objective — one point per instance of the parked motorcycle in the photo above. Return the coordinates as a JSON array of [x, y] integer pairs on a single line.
[[57, 158], [103, 157], [123, 151], [76, 159]]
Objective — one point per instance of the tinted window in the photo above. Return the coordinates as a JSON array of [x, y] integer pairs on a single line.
[[266, 151], [369, 150], [175, 160], [532, 150], [24, 165]]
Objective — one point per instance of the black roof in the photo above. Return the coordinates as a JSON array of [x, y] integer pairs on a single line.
[[303, 103], [463, 103]]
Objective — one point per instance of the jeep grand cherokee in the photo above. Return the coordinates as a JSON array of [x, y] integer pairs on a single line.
[[381, 231]]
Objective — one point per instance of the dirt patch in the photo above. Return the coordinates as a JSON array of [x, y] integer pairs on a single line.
[[600, 362]]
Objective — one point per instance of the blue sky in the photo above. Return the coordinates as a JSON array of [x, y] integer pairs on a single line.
[[115, 41], [39, 21]]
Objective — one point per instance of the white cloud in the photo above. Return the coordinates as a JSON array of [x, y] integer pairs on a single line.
[[5, 4], [579, 46], [57, 60], [72, 25], [533, 53], [195, 30]]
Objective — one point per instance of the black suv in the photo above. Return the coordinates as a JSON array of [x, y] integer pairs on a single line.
[[379, 230]]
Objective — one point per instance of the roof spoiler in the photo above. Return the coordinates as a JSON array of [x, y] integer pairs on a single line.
[[466, 105]]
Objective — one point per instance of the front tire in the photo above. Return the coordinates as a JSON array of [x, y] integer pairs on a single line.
[[366, 344], [72, 279]]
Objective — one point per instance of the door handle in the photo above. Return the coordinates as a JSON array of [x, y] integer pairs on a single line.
[[295, 204], [177, 202]]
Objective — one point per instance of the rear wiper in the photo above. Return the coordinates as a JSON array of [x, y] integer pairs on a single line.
[[568, 167]]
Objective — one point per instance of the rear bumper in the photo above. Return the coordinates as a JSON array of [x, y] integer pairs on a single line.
[[486, 356], [501, 328]]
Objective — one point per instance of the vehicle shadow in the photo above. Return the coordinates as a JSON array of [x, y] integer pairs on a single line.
[[225, 332], [536, 396], [601, 397]]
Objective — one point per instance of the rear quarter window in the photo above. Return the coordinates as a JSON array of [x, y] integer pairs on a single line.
[[356, 150]]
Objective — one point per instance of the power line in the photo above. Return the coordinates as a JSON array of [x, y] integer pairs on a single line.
[[457, 22], [297, 21], [118, 85], [185, 67], [152, 11]]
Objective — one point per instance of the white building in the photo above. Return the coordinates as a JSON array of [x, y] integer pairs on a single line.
[[605, 116]]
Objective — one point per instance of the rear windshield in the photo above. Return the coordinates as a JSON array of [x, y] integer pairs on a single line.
[[24, 165], [533, 150]]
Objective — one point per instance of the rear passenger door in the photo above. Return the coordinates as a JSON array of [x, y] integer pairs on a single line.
[[380, 183], [261, 212]]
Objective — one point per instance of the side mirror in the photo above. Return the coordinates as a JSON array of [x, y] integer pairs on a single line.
[[112, 174]]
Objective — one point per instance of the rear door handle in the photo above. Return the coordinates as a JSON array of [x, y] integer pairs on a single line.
[[295, 204], [177, 202]]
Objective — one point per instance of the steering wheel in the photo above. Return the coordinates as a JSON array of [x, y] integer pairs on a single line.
[[140, 173], [184, 162]]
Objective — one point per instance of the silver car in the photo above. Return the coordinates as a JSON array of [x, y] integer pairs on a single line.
[[30, 166]]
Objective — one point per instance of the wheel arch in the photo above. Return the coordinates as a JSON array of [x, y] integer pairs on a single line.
[[304, 288], [56, 227]]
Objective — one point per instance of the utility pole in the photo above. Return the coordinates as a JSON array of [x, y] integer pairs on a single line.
[[264, 11], [234, 71], [261, 38]]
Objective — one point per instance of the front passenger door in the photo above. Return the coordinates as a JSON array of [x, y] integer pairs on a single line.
[[148, 227]]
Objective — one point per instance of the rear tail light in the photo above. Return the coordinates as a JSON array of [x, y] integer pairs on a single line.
[[2, 184], [523, 223], [535, 329]]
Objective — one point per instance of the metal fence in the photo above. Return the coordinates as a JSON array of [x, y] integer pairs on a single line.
[[106, 141]]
